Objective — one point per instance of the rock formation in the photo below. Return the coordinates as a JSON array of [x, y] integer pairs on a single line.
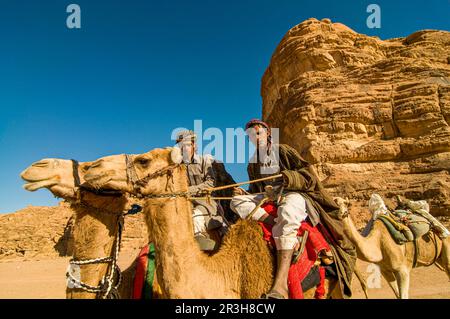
[[38, 232], [372, 115]]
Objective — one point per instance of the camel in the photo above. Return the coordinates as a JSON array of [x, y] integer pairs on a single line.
[[395, 261], [243, 267], [95, 223]]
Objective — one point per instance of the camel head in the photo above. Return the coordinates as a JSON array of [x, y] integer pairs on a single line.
[[57, 175], [125, 173]]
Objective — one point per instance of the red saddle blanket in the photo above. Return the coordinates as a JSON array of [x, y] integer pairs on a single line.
[[315, 243], [140, 273]]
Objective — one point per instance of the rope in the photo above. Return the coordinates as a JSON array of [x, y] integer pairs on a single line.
[[135, 182], [91, 261], [106, 285], [212, 189]]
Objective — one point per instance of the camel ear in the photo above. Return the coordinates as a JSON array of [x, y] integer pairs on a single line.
[[175, 155]]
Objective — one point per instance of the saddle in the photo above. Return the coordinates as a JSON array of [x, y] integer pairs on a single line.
[[312, 263], [405, 226]]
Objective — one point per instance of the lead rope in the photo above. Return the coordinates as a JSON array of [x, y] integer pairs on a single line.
[[107, 282], [106, 285]]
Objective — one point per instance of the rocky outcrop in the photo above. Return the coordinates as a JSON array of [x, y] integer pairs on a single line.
[[37, 232], [372, 115]]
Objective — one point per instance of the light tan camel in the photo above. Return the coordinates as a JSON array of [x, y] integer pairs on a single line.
[[242, 268], [95, 223], [395, 261]]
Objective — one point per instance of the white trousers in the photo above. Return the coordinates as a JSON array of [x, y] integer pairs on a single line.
[[291, 212], [199, 221]]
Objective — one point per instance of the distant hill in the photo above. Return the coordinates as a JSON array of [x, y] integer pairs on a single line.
[[37, 232]]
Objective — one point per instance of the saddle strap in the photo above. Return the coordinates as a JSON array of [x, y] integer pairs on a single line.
[[417, 252]]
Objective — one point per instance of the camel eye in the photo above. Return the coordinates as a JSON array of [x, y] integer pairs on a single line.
[[143, 161]]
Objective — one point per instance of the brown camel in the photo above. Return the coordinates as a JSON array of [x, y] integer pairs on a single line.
[[242, 268], [395, 261], [95, 221]]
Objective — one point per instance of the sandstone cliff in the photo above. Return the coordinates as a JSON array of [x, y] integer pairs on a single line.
[[37, 232], [371, 115]]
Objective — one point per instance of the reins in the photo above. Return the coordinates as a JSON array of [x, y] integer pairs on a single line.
[[136, 184]]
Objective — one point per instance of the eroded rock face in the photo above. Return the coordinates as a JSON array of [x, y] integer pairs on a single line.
[[372, 115], [39, 232]]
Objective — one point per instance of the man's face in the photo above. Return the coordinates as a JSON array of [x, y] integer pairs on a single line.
[[258, 135], [188, 150]]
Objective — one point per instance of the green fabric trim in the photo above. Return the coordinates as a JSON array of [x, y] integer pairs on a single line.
[[398, 236], [149, 278]]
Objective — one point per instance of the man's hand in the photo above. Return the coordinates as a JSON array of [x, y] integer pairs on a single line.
[[239, 191]]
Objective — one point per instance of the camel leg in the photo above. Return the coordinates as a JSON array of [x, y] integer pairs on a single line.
[[390, 278], [402, 277], [362, 281], [444, 259]]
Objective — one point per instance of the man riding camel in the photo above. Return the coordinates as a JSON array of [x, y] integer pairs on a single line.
[[203, 172], [301, 196]]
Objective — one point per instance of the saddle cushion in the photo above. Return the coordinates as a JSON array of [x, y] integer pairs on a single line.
[[405, 226], [314, 245], [417, 224]]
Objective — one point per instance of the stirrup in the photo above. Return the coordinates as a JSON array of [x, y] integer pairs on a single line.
[[205, 244]]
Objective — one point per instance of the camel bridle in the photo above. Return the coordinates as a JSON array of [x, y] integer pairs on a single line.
[[106, 288], [137, 183]]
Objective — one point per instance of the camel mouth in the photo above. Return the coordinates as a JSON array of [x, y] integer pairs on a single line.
[[35, 185]]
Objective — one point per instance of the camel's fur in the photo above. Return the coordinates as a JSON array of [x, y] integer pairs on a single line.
[[242, 268], [395, 261], [94, 227], [94, 233]]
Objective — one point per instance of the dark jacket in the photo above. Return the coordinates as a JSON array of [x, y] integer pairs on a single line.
[[300, 177]]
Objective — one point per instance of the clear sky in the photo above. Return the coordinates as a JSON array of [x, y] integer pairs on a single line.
[[138, 69]]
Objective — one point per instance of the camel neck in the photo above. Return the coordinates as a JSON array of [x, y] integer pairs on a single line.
[[367, 247], [180, 263], [94, 234], [177, 253]]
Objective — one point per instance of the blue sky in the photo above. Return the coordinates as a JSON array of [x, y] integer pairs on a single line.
[[138, 69]]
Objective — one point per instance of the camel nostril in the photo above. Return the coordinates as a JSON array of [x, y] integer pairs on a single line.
[[43, 163], [96, 164]]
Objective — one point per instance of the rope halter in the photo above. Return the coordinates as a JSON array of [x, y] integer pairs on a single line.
[[110, 282]]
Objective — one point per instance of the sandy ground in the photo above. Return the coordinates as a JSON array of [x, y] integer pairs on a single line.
[[39, 279], [46, 279]]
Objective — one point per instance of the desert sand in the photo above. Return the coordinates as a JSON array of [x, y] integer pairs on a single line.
[[45, 279]]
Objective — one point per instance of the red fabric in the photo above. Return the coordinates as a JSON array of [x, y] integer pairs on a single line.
[[140, 273], [320, 289], [315, 244]]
